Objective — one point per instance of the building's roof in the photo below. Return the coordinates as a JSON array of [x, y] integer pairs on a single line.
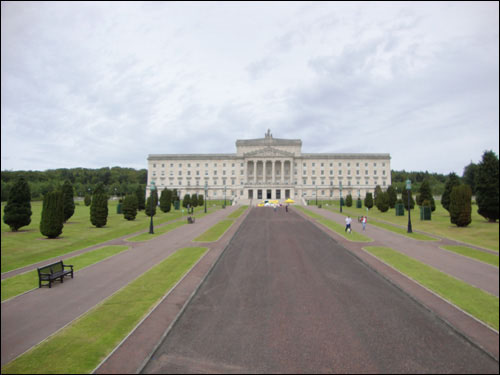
[[191, 156], [344, 156], [268, 141]]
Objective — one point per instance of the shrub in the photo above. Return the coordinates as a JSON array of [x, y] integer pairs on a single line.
[[425, 193], [404, 198], [348, 200], [368, 200], [17, 212], [194, 200], [150, 208], [129, 207], [166, 200], [383, 201], [460, 205], [99, 208], [393, 196], [186, 200], [52, 221], [201, 201], [87, 200]]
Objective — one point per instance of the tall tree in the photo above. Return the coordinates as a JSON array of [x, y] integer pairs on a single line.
[[425, 194], [52, 221], [99, 207], [68, 202], [453, 180], [17, 212], [460, 205], [487, 186], [393, 196], [469, 176], [166, 200], [141, 197]]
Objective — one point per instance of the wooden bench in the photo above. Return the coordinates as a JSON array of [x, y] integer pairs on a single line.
[[53, 272]]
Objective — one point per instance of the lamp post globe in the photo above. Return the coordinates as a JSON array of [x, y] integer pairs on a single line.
[[408, 189], [151, 189]]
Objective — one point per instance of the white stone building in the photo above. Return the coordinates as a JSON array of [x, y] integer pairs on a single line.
[[270, 168]]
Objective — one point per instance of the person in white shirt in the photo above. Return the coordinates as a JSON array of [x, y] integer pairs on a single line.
[[348, 221]]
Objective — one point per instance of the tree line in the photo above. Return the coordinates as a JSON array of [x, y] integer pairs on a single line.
[[116, 180]]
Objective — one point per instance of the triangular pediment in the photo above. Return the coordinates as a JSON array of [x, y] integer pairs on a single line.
[[267, 152]]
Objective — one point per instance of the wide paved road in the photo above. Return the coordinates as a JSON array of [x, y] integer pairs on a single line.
[[286, 298]]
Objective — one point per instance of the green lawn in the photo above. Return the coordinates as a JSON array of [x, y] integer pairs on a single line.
[[474, 254], [81, 346], [215, 232], [475, 301], [22, 283], [28, 246], [479, 233]]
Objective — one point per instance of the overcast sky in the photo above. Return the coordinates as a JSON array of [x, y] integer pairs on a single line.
[[106, 84]]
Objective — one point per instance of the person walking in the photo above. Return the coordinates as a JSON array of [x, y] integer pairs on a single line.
[[363, 221], [348, 222]]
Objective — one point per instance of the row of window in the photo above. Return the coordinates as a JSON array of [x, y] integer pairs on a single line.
[[233, 182], [233, 173], [313, 164]]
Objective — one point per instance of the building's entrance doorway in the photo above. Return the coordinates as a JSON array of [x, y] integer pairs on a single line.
[[259, 194], [250, 194], [287, 193], [268, 194], [278, 194]]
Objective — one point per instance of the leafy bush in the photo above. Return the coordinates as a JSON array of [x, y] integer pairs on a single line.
[[460, 205], [52, 221], [17, 212], [129, 207]]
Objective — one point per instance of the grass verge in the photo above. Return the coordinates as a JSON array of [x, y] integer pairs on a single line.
[[215, 232], [475, 301], [24, 282], [82, 345], [236, 214], [157, 231], [403, 231], [474, 254]]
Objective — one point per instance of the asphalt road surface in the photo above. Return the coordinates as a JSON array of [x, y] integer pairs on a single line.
[[286, 298]]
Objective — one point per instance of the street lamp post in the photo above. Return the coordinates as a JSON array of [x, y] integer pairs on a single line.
[[340, 185], [408, 188], [151, 198], [206, 188]]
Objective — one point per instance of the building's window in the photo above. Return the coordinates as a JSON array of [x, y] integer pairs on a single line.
[[331, 172], [163, 173], [313, 172], [171, 173], [366, 173], [374, 164], [163, 165], [349, 183], [224, 172], [322, 172], [322, 164], [171, 165], [197, 173], [241, 165], [340, 164], [232, 172], [232, 165], [348, 164], [206, 173], [215, 173], [180, 165], [366, 164], [305, 181], [180, 173], [197, 165], [313, 164], [206, 165], [357, 164], [375, 173], [224, 165], [215, 165], [367, 182], [154, 173], [189, 183], [383, 164], [322, 182], [384, 183], [340, 172], [304, 164], [154, 165], [383, 172], [349, 172], [331, 164], [357, 173], [314, 182], [189, 165], [189, 173], [242, 172]]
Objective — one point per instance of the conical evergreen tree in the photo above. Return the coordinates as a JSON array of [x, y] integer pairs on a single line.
[[17, 212], [452, 181], [99, 207], [194, 200], [425, 193], [368, 200], [383, 201], [141, 197], [87, 200], [150, 207], [201, 200], [404, 198], [348, 200], [166, 200], [393, 196], [460, 205], [487, 186], [186, 200], [129, 207], [68, 202], [52, 221]]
